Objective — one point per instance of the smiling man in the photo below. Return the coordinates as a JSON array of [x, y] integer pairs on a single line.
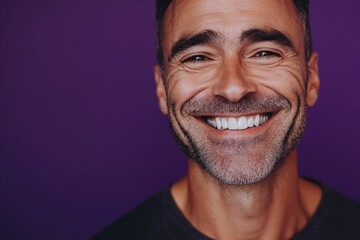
[[235, 78]]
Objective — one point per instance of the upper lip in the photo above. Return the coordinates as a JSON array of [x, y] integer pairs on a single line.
[[234, 115]]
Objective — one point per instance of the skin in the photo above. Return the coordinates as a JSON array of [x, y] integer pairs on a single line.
[[278, 204]]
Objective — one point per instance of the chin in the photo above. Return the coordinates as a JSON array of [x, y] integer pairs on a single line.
[[239, 167]]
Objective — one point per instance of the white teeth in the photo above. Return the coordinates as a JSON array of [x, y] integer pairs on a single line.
[[262, 120], [250, 122], [224, 123], [257, 120], [240, 123], [218, 123], [232, 123], [212, 122]]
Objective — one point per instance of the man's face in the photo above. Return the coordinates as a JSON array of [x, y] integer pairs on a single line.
[[235, 84]]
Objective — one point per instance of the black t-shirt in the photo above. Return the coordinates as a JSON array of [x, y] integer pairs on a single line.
[[337, 217]]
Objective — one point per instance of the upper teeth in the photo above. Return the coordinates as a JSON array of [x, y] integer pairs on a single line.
[[233, 123]]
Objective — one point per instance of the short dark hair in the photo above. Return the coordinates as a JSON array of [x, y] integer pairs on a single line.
[[302, 7]]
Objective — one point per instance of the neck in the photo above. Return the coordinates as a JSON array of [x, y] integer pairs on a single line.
[[275, 208]]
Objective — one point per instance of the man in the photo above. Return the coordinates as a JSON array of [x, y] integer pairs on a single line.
[[235, 78]]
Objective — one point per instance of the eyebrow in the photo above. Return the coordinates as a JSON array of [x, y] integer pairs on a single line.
[[262, 35], [249, 36], [201, 38]]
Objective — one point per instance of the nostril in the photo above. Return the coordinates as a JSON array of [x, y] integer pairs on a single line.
[[233, 91]]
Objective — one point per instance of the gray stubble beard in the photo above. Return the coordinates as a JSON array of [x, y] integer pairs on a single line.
[[235, 169]]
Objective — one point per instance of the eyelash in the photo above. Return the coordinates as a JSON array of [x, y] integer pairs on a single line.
[[266, 54], [202, 58], [195, 59]]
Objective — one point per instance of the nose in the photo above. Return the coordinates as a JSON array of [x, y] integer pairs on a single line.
[[232, 82]]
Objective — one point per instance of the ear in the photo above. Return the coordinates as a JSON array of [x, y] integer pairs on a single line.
[[313, 80], [160, 90]]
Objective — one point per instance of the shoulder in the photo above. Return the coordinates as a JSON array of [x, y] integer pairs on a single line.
[[337, 217], [342, 212], [156, 218]]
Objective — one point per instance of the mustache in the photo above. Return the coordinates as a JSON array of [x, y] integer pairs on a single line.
[[247, 104]]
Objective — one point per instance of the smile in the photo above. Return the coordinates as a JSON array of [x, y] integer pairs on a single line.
[[237, 123]]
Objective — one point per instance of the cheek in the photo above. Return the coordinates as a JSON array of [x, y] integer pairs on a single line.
[[288, 79], [183, 85]]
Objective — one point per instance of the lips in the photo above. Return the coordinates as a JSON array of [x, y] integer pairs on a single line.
[[250, 112], [237, 123]]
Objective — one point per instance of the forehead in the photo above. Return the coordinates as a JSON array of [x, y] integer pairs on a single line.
[[230, 18]]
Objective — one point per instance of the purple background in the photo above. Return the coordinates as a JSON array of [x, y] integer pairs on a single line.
[[81, 137]]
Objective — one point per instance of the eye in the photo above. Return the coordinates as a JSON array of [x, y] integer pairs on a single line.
[[266, 54], [195, 59]]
